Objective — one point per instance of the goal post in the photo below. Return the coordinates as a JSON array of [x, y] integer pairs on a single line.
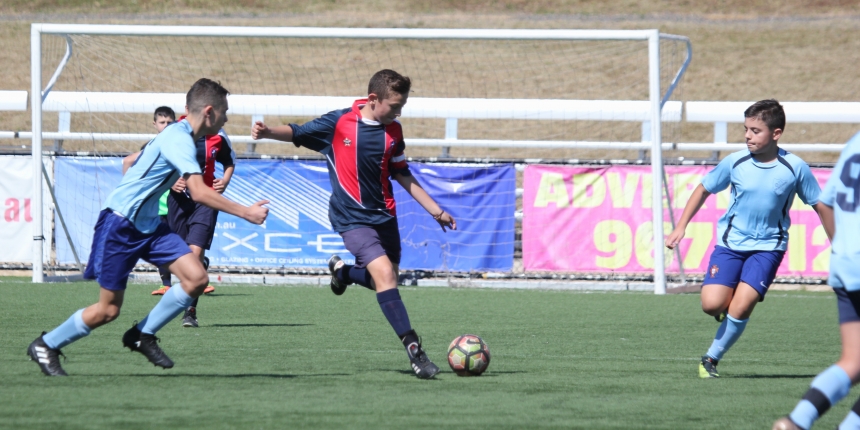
[[505, 88]]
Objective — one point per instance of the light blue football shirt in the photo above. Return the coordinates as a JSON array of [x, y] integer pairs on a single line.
[[762, 194], [164, 159], [842, 193]]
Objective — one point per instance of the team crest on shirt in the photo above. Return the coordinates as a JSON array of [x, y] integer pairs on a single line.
[[714, 270], [346, 142]]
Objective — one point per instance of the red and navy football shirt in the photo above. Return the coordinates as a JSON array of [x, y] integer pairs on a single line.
[[210, 149], [362, 156]]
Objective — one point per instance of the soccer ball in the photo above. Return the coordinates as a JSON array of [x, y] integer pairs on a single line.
[[468, 355]]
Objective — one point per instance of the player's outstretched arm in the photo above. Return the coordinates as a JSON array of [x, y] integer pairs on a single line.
[[825, 214], [697, 199], [261, 131], [411, 185], [255, 214]]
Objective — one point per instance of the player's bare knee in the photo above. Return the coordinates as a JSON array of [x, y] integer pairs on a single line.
[[108, 314], [713, 307]]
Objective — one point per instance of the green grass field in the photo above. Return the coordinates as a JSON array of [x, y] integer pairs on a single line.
[[278, 357]]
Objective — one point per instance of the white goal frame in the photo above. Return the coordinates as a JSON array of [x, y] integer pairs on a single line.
[[655, 100]]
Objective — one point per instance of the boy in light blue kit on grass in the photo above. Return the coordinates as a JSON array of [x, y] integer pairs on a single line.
[[129, 229], [752, 235]]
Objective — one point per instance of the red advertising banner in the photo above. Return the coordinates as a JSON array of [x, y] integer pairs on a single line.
[[598, 219]]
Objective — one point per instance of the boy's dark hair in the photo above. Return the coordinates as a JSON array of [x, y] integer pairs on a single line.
[[205, 92], [769, 111], [386, 81], [164, 111]]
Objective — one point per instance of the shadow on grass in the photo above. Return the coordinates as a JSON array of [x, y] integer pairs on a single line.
[[449, 373], [229, 375], [773, 376], [259, 325], [226, 295]]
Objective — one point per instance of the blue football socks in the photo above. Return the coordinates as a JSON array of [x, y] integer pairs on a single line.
[[394, 310], [729, 332], [67, 332], [174, 301], [851, 422], [829, 387], [348, 274]]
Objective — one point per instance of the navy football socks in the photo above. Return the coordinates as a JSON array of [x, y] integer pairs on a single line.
[[394, 310], [348, 274]]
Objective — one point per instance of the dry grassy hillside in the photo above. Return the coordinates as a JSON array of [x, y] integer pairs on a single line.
[[793, 50]]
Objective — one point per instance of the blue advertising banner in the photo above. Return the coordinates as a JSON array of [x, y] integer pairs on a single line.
[[81, 185], [298, 233], [482, 199]]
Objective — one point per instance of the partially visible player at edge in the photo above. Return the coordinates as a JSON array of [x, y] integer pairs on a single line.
[[129, 229], [364, 147], [752, 235], [841, 199]]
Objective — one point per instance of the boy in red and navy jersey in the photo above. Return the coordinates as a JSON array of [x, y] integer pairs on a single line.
[[363, 146]]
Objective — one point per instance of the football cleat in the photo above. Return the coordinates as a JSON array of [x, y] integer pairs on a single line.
[[423, 367], [190, 317], [209, 289], [721, 316], [160, 291], [785, 423], [48, 359], [146, 344], [708, 368], [337, 287]]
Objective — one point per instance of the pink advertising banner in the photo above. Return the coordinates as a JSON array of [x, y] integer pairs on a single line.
[[598, 219]]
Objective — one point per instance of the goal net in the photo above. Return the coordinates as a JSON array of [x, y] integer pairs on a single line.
[[484, 103]]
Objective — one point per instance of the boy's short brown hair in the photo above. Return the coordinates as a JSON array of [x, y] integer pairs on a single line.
[[386, 81], [769, 111], [205, 92]]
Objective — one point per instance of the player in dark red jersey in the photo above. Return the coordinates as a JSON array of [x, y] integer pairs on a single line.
[[364, 147]]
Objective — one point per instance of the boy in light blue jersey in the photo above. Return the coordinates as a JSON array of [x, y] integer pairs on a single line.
[[752, 235], [129, 229], [841, 197]]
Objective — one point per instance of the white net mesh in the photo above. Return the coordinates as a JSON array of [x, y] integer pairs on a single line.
[[446, 69]]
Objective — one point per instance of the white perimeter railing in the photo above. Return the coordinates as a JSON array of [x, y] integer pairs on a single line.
[[259, 106]]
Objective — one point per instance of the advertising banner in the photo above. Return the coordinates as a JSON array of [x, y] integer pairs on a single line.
[[298, 233], [16, 225], [598, 219]]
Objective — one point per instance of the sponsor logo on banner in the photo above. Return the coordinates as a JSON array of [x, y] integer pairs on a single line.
[[598, 219]]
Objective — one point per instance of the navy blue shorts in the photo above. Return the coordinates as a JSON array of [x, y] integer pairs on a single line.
[[193, 222], [756, 268], [118, 245], [848, 303], [367, 243]]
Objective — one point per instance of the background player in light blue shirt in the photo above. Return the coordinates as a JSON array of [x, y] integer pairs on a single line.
[[841, 197], [129, 229], [752, 235]]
